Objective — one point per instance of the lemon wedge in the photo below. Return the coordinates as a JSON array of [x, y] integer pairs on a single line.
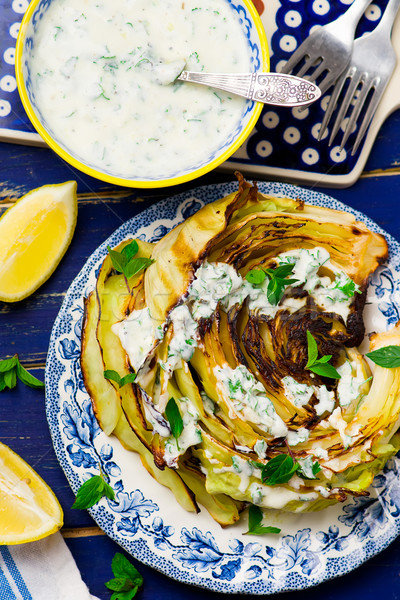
[[29, 509], [34, 235]]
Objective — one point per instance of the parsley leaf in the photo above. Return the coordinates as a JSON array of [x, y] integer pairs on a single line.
[[124, 261], [114, 376], [174, 418], [127, 579], [279, 470], [320, 366], [91, 491], [11, 369], [255, 520], [388, 357]]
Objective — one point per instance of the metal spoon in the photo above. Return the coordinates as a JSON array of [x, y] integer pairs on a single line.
[[277, 89]]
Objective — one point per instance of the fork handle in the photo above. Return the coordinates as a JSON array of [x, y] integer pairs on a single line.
[[270, 88], [389, 15], [353, 14]]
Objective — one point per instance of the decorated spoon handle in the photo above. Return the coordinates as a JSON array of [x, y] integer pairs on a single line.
[[270, 88]]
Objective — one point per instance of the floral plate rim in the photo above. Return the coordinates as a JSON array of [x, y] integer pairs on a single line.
[[299, 560]]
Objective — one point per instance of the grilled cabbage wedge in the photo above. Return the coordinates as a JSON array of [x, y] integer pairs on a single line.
[[232, 359]]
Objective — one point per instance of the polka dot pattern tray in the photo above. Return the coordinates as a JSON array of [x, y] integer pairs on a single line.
[[14, 123], [284, 143]]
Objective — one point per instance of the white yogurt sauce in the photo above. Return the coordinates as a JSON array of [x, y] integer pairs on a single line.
[[137, 336], [98, 73], [247, 396]]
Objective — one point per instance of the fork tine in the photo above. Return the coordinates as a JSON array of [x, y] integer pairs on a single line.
[[294, 60], [366, 88], [353, 84], [309, 62], [368, 117], [331, 105], [326, 82]]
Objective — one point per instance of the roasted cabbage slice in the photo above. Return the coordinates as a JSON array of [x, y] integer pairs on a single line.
[[243, 334]]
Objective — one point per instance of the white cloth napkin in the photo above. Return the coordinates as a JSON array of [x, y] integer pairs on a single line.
[[41, 570]]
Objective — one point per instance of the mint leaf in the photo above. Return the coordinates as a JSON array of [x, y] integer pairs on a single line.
[[174, 418], [136, 265], [122, 567], [10, 378], [387, 357], [92, 491], [255, 520], [127, 580], [130, 250], [255, 276], [278, 281], [118, 260], [8, 363], [114, 376], [279, 470], [119, 584], [319, 366], [312, 349], [124, 261], [11, 369], [324, 370], [27, 378], [129, 378]]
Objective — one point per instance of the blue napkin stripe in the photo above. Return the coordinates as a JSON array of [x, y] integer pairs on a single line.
[[6, 592]]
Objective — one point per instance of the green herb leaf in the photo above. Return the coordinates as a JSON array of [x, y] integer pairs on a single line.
[[130, 250], [122, 567], [255, 520], [27, 378], [10, 378], [127, 580], [312, 349], [92, 491], [324, 370], [319, 366], [279, 470], [135, 265], [255, 276], [388, 357], [114, 376], [118, 260], [10, 369], [174, 418], [8, 363], [278, 281], [129, 378], [305, 472], [119, 584], [124, 261]]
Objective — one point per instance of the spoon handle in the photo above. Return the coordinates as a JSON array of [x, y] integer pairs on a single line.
[[278, 89]]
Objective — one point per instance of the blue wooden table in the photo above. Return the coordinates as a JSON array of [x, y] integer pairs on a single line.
[[25, 328]]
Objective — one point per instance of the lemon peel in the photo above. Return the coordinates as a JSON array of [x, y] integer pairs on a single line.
[[29, 510], [34, 236]]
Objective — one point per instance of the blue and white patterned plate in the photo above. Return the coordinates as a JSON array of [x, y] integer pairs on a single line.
[[145, 519]]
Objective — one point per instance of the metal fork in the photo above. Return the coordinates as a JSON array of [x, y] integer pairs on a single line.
[[368, 74], [328, 48]]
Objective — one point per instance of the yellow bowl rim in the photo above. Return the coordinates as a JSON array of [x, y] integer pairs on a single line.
[[121, 181]]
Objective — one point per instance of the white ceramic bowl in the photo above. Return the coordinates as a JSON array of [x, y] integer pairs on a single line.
[[250, 23]]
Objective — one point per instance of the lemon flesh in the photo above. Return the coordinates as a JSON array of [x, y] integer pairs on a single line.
[[29, 509], [34, 235]]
